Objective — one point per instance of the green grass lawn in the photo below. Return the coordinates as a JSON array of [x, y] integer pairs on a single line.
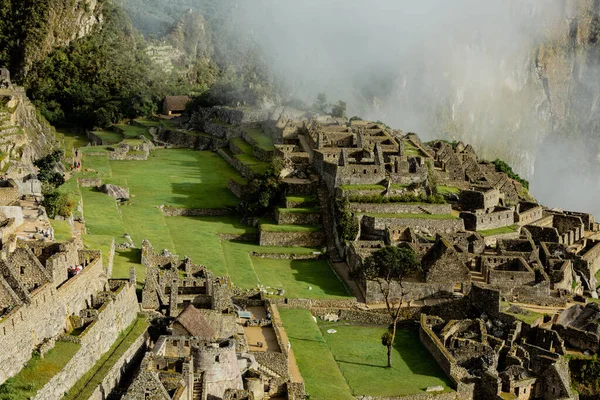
[[62, 230], [321, 375], [263, 141], [296, 276], [499, 231], [529, 317], [71, 140], [242, 145], [362, 187], [257, 166], [108, 137], [363, 361], [301, 200], [290, 228], [86, 385], [132, 131], [38, 372], [310, 210], [441, 189], [398, 186], [185, 178], [407, 215]]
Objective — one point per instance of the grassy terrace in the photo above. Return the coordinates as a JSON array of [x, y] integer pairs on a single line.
[[352, 361], [262, 140], [500, 231], [447, 189], [108, 137], [398, 186], [289, 228], [242, 145], [529, 317], [62, 230], [419, 216], [299, 210], [363, 361], [254, 163], [38, 372], [190, 179], [302, 199], [323, 379], [85, 386], [362, 187], [132, 131]]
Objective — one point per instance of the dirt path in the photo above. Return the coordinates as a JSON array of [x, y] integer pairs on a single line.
[[295, 374], [32, 224]]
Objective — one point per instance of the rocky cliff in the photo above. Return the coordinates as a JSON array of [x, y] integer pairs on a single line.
[[24, 134], [36, 27]]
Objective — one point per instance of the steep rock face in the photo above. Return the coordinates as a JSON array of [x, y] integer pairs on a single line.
[[55, 23], [24, 134]]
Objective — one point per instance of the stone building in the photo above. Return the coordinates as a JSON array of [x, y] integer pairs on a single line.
[[175, 104], [172, 284]]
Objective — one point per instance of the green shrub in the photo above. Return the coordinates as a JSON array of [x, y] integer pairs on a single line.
[[346, 221], [501, 166], [57, 203]]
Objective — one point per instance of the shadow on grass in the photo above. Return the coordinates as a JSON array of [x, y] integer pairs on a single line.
[[416, 356], [318, 273], [132, 255]]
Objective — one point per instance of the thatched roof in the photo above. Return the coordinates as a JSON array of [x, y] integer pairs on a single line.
[[207, 324], [176, 103], [195, 323]]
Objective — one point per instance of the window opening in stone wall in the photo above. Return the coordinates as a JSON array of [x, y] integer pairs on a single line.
[[22, 270]]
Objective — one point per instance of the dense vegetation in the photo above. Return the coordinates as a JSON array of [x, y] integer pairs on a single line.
[[586, 377], [101, 78], [347, 223], [501, 166]]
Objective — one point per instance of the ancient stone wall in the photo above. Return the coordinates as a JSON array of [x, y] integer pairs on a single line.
[[412, 291], [291, 239], [89, 182], [9, 193], [527, 217], [244, 170], [400, 208], [236, 187], [484, 221], [378, 225], [485, 300], [113, 317], [29, 325], [297, 218], [185, 140], [169, 211], [578, 339], [123, 367]]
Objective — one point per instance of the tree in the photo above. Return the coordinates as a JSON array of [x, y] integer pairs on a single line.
[[387, 266], [339, 110], [321, 105]]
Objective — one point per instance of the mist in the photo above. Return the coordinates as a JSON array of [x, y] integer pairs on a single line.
[[465, 70]]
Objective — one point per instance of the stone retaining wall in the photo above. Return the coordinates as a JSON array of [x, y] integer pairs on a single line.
[[28, 325], [492, 240], [9, 193], [123, 367], [378, 225], [297, 218], [240, 237], [400, 208], [114, 316], [169, 211], [244, 170], [94, 139], [291, 239], [128, 156], [236, 187], [89, 182], [289, 256]]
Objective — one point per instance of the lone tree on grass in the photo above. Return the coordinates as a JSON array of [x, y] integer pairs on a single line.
[[387, 266]]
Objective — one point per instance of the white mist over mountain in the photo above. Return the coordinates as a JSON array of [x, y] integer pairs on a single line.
[[464, 69]]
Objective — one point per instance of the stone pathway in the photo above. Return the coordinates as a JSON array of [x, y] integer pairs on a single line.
[[31, 219]]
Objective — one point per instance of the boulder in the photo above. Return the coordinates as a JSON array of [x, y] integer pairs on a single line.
[[437, 388], [115, 191]]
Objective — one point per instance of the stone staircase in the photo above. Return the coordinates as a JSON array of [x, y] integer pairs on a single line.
[[477, 276], [197, 392]]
